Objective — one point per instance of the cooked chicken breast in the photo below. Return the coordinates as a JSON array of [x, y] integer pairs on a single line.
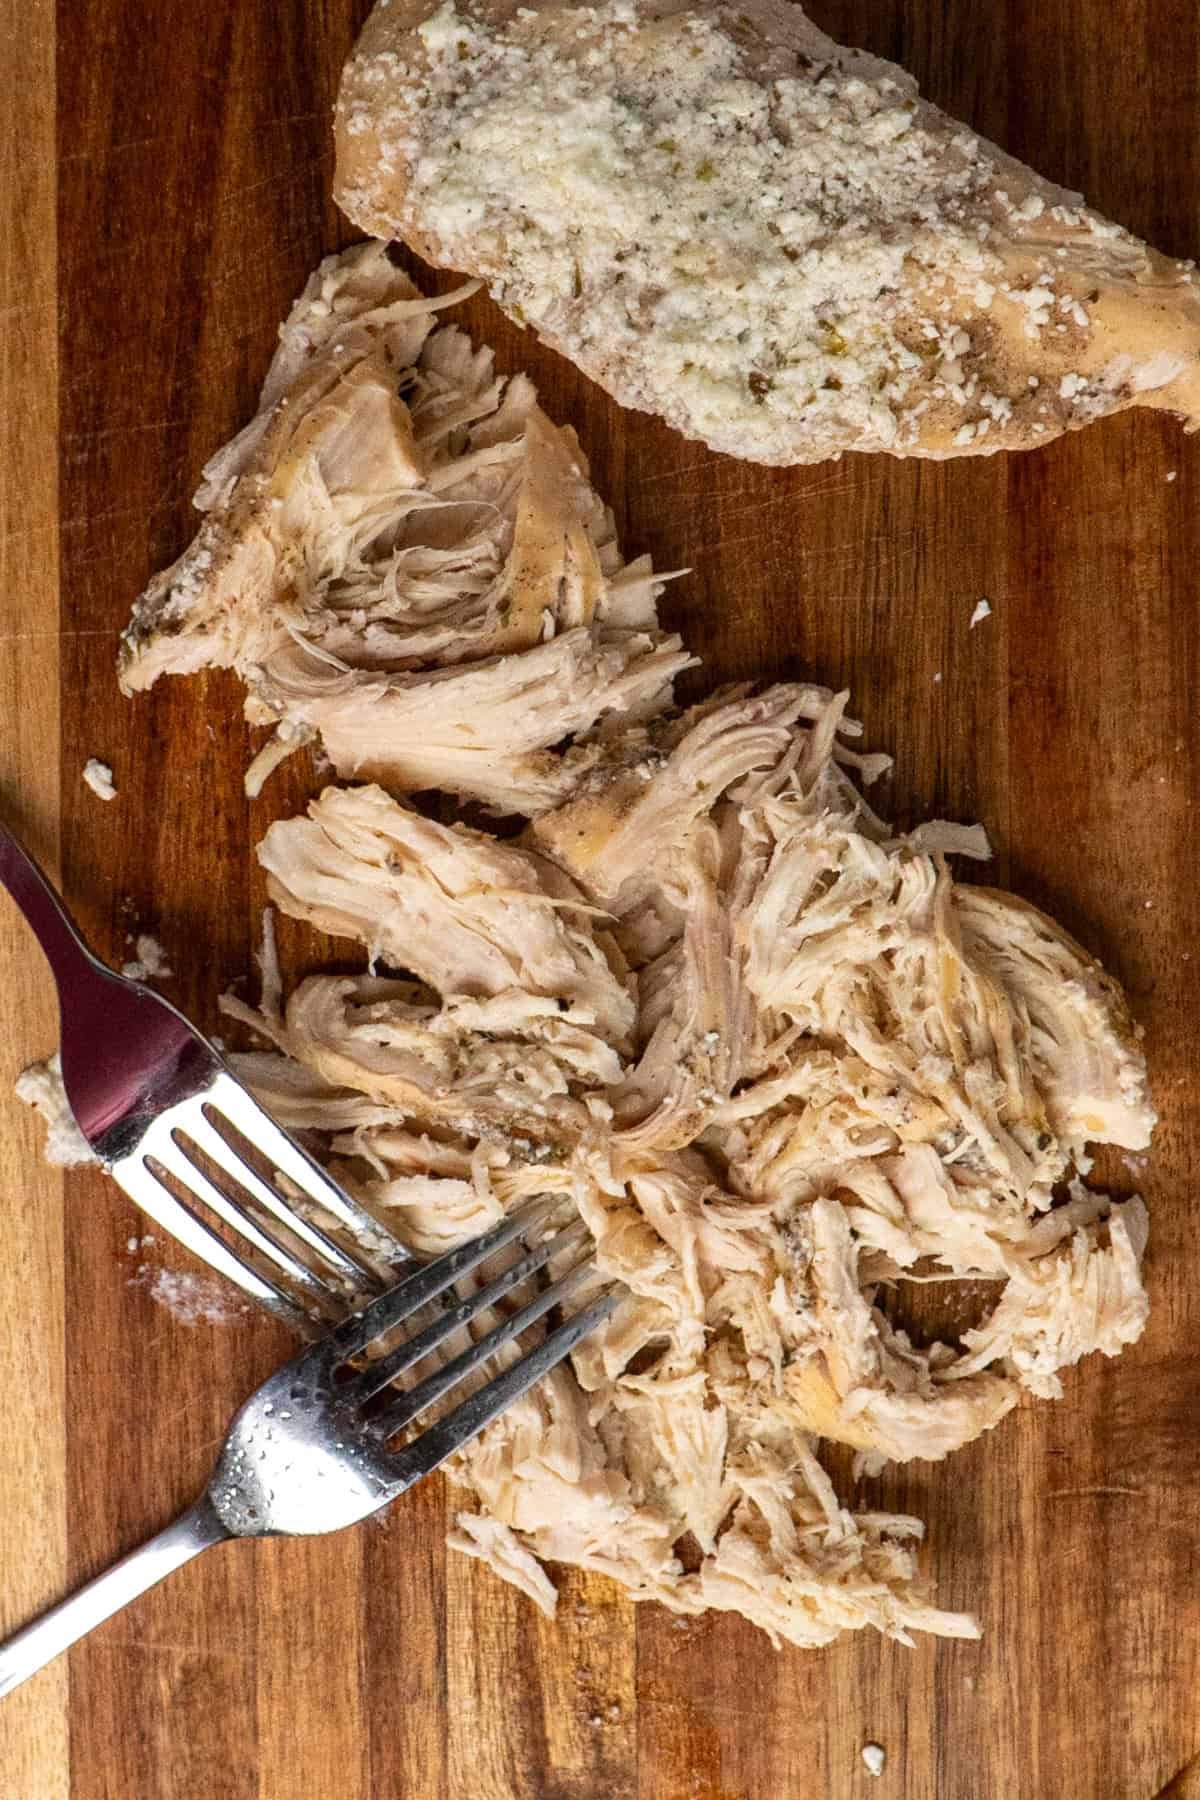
[[405, 561], [726, 218]]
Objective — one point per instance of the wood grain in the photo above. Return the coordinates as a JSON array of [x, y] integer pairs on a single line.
[[33, 1538], [164, 177]]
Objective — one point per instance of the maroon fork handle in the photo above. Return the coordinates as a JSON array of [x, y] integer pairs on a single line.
[[119, 1043], [43, 909]]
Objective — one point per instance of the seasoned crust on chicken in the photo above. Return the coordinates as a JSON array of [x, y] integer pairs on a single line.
[[405, 560], [726, 218]]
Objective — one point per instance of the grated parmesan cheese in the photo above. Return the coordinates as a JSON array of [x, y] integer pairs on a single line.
[[630, 180], [732, 221]]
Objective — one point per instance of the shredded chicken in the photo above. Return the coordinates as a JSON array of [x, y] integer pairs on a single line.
[[404, 559], [846, 1073], [783, 1068]]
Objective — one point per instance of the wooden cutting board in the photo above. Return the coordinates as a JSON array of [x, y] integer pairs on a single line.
[[164, 191]]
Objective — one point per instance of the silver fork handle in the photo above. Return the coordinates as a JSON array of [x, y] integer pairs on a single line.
[[31, 1648]]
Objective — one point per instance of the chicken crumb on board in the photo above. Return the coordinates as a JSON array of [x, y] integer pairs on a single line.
[[766, 237], [150, 962], [875, 1757], [190, 1298], [777, 1058], [99, 777], [41, 1087]]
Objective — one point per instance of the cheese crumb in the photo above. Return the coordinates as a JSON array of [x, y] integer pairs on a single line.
[[874, 1756], [731, 222], [99, 778], [614, 191], [1172, 474]]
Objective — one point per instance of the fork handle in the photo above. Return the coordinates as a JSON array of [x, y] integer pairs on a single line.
[[38, 1643], [43, 910]]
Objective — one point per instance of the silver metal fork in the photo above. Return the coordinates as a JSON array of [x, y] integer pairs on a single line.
[[313, 1450], [188, 1143]]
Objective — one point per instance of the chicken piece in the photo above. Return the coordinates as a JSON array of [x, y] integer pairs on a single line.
[[404, 559], [777, 1062], [1083, 1046], [466, 915], [856, 942], [610, 1480], [863, 1383], [481, 730], [514, 1060], [295, 1095], [880, 1104], [831, 1072], [665, 1456], [865, 1576], [696, 1014], [436, 1191], [1087, 1297], [726, 218], [860, 1047], [958, 1055], [648, 836], [655, 784], [485, 1538]]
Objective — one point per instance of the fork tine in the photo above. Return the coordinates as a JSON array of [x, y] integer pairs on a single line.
[[432, 1279], [160, 1204], [161, 1149], [228, 1097], [378, 1374], [207, 1139], [408, 1406], [479, 1409]]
